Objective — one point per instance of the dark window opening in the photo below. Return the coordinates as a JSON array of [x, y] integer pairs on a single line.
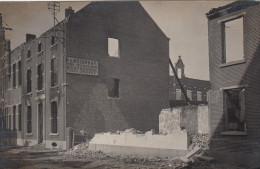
[[14, 75], [40, 76], [20, 117], [53, 40], [113, 88], [39, 47], [53, 73], [14, 118], [29, 119], [28, 54], [19, 73], [54, 117], [235, 109], [29, 80]]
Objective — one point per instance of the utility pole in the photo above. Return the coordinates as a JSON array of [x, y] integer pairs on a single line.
[[54, 7]]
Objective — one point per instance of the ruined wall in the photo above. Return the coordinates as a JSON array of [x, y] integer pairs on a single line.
[[194, 119], [142, 69]]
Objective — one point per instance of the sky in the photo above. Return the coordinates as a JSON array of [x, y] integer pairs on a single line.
[[184, 22]]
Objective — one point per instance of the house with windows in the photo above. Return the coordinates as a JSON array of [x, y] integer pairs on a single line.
[[234, 50], [196, 89], [101, 69]]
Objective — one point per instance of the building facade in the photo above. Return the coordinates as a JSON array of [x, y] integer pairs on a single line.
[[196, 90], [234, 50], [103, 68]]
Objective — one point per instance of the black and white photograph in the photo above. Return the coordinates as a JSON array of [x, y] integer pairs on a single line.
[[130, 84]]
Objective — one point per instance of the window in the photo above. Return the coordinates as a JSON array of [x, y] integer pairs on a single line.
[[189, 94], [53, 72], [14, 118], [14, 75], [113, 47], [20, 117], [178, 94], [39, 47], [29, 81], [29, 119], [54, 117], [113, 88], [40, 76], [28, 54], [53, 40], [20, 73], [179, 71], [199, 96], [233, 42], [234, 100]]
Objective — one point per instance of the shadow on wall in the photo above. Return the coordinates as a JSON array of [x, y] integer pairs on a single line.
[[100, 114], [238, 149]]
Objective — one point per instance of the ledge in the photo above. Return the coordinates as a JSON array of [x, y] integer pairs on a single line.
[[29, 134], [232, 63], [39, 92], [234, 133], [54, 46], [29, 94], [29, 59], [54, 88], [40, 53], [54, 134]]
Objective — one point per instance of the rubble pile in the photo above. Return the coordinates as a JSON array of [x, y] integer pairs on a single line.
[[201, 141]]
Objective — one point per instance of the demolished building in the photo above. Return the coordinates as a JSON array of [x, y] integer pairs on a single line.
[[234, 50]]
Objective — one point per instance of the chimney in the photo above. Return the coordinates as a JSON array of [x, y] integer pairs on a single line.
[[30, 37], [69, 11]]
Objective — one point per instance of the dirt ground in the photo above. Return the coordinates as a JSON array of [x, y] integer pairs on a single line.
[[81, 157]]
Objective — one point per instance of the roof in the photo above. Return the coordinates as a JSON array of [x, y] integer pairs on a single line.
[[179, 63], [232, 7], [193, 82]]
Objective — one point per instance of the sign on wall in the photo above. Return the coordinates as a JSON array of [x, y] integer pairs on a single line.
[[82, 66]]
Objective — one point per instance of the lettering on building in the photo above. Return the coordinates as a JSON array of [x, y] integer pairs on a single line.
[[82, 66]]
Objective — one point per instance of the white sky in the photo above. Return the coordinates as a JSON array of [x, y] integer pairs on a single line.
[[184, 22]]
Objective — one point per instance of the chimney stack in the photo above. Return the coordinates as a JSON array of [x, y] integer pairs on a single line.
[[30, 37], [69, 11]]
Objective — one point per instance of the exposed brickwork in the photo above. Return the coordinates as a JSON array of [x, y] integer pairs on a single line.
[[142, 69], [239, 74]]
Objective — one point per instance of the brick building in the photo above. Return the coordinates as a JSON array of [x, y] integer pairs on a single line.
[[196, 89], [234, 50], [103, 68]]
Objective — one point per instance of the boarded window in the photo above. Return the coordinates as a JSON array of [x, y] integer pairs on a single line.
[[14, 118], [19, 73], [20, 117], [14, 75], [178, 94], [29, 119], [113, 47], [113, 87], [40, 76], [235, 109], [29, 81], [54, 117], [189, 94], [199, 96], [53, 72], [234, 48]]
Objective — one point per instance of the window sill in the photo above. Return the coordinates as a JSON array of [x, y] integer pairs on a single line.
[[234, 133], [113, 97], [54, 134], [54, 46], [232, 63], [40, 53], [29, 134], [29, 94], [29, 59], [39, 92], [54, 87]]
